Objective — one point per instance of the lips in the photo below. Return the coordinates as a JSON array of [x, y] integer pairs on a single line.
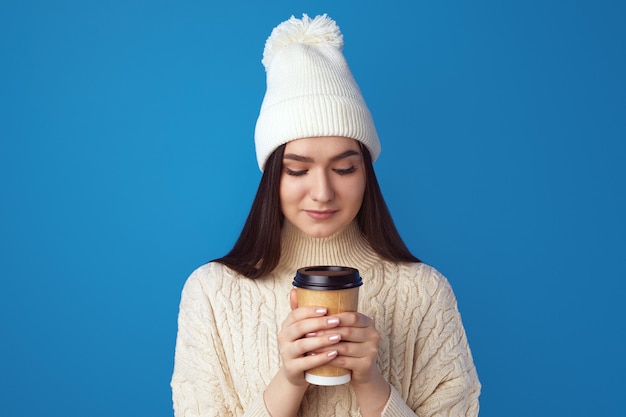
[[320, 214]]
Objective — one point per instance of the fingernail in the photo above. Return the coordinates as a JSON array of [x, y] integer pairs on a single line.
[[334, 320], [321, 311], [334, 338], [332, 353], [312, 334]]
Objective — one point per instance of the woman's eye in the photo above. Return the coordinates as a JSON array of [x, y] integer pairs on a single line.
[[345, 171], [295, 173]]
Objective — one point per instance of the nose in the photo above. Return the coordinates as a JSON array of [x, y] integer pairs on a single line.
[[321, 187]]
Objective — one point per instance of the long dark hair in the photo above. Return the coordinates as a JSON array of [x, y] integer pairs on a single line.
[[257, 250]]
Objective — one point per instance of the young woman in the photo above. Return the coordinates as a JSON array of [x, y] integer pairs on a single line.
[[243, 343]]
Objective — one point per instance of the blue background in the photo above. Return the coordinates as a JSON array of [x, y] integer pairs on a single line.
[[127, 160]]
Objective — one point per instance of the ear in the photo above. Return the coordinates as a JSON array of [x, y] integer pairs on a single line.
[[293, 299]]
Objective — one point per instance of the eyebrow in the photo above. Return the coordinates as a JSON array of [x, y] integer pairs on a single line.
[[300, 158]]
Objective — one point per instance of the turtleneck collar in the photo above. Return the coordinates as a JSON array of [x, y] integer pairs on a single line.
[[348, 247]]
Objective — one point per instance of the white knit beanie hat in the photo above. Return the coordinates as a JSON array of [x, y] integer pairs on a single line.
[[310, 89]]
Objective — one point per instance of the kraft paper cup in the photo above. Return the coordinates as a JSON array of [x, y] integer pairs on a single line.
[[337, 289]]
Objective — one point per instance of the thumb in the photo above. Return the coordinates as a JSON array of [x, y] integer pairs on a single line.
[[293, 299]]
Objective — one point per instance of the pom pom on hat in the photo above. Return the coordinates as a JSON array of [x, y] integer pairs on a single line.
[[320, 31], [310, 89]]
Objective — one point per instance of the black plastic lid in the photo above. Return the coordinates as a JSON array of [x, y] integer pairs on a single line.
[[324, 277]]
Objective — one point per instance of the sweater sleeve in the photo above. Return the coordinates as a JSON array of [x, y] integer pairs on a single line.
[[443, 380], [449, 384], [201, 384]]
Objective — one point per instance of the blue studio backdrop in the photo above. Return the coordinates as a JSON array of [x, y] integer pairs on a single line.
[[127, 160]]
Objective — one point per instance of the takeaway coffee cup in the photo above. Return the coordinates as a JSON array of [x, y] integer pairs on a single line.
[[337, 289]]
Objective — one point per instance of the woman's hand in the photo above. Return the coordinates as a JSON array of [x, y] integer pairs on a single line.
[[309, 338], [306, 340], [284, 393], [358, 351]]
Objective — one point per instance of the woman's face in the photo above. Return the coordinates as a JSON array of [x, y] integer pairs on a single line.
[[322, 184]]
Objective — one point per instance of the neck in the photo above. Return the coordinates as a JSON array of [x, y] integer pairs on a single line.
[[347, 247]]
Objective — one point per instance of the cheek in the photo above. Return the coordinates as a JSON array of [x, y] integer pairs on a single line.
[[289, 191], [356, 190], [357, 195]]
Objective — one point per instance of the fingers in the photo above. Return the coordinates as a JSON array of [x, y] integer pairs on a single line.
[[353, 327], [356, 332], [310, 338], [360, 358], [299, 331], [295, 367], [298, 338], [314, 345], [353, 319], [358, 348], [307, 320]]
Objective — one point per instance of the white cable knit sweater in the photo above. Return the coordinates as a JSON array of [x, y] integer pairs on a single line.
[[227, 351]]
